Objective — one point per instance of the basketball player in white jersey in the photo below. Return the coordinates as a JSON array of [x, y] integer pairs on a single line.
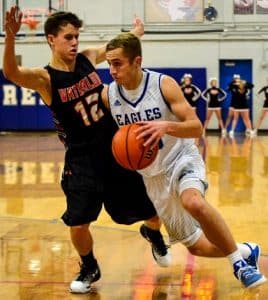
[[175, 181]]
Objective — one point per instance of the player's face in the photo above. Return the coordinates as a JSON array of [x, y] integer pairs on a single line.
[[121, 69], [65, 43]]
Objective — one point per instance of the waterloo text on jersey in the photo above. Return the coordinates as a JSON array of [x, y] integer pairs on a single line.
[[79, 89]]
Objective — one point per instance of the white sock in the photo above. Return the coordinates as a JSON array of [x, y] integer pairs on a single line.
[[245, 250], [235, 257]]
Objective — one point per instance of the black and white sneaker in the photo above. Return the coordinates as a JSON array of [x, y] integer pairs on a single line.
[[160, 250], [82, 284]]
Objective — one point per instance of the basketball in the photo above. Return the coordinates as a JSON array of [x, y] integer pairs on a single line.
[[130, 152]]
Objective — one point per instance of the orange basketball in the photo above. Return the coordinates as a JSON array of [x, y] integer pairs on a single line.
[[130, 152]]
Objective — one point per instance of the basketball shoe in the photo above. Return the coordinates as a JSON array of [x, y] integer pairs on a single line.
[[86, 277], [253, 258], [248, 275], [160, 250]]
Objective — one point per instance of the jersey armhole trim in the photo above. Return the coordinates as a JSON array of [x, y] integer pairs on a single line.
[[108, 98], [163, 97]]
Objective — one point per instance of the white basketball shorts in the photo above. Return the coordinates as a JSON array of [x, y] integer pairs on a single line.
[[164, 191]]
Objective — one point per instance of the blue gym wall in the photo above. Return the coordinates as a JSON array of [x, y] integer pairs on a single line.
[[32, 114]]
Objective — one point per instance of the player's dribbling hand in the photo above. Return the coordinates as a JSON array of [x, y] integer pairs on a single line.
[[152, 131], [138, 27], [13, 21]]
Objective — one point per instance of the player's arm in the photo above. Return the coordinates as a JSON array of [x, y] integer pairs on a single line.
[[32, 78], [188, 124], [104, 97], [96, 55]]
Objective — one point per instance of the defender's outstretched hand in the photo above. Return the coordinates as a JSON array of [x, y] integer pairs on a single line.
[[138, 27], [13, 21]]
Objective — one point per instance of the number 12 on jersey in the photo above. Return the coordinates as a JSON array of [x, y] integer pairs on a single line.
[[89, 110]]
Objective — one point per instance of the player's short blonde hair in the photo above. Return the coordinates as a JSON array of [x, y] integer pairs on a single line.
[[130, 44]]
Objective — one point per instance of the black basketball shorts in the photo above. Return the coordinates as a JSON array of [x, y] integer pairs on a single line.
[[83, 189], [126, 200], [87, 188]]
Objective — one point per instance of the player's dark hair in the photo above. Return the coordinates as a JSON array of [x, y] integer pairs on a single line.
[[60, 19], [130, 44]]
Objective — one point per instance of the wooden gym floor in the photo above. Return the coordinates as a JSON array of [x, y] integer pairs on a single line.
[[37, 260]]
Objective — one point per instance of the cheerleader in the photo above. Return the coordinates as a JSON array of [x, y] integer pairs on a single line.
[[240, 106], [232, 88], [214, 96], [190, 91], [264, 108]]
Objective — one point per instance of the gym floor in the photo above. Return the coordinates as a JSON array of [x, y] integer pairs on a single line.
[[37, 258]]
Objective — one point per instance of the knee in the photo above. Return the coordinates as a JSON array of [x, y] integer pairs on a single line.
[[235, 118], [153, 223], [154, 219], [193, 202], [194, 250], [79, 229]]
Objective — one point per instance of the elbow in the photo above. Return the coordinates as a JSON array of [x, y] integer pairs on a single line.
[[7, 73], [10, 74]]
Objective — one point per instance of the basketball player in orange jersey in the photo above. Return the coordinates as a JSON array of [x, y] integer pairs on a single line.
[[175, 181], [70, 87]]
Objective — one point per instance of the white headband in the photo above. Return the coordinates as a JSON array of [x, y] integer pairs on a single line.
[[236, 76], [187, 75]]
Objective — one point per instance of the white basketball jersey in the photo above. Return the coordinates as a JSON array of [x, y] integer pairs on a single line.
[[148, 105]]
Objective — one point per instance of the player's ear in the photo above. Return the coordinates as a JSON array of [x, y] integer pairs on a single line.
[[138, 60], [50, 39]]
